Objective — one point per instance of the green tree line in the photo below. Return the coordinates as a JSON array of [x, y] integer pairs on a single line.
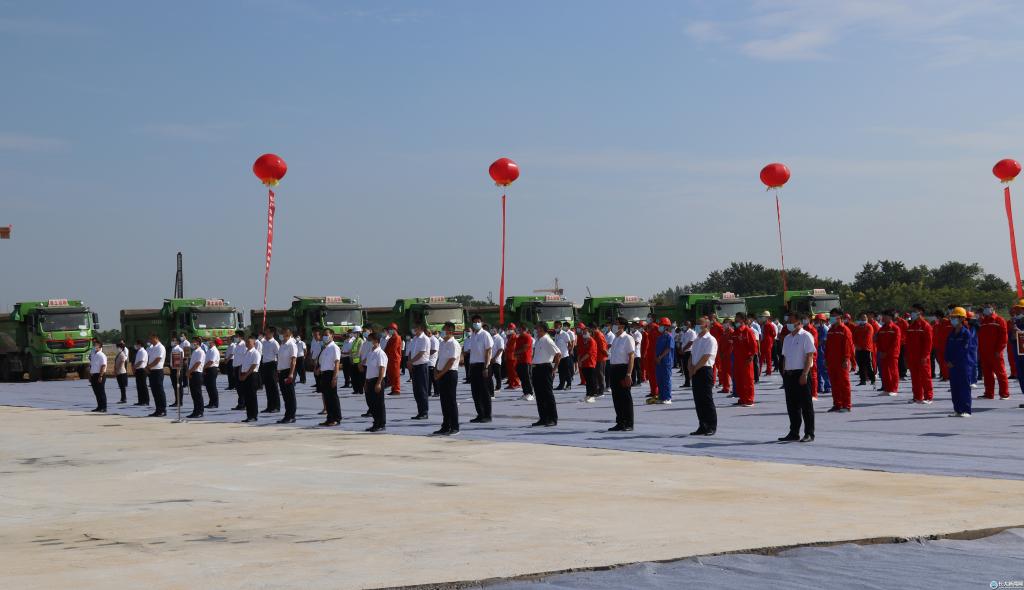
[[878, 285]]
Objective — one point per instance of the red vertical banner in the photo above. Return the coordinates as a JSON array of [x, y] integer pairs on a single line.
[[1013, 241], [271, 208], [782, 254], [501, 287]]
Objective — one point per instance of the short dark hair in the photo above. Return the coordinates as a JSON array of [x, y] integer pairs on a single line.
[[541, 326], [621, 321], [476, 318], [918, 307], [97, 341], [836, 311], [374, 336], [449, 325]]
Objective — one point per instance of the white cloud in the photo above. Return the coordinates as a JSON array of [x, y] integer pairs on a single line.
[[187, 131], [30, 143], [800, 45], [704, 32]]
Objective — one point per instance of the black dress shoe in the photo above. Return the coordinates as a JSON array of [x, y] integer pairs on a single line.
[[807, 438], [376, 429], [238, 408], [616, 428], [156, 415], [699, 432], [419, 417], [173, 405], [194, 416], [248, 420], [266, 411], [709, 433], [539, 423], [833, 409], [627, 429], [477, 420], [124, 401], [208, 406], [442, 432], [789, 438], [453, 433], [366, 415], [141, 404], [551, 424], [322, 413], [286, 421]]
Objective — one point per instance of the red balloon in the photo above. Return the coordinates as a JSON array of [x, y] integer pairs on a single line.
[[270, 169], [775, 175], [1006, 170], [504, 171]]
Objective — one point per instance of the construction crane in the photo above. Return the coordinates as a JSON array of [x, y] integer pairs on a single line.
[[179, 283], [556, 290]]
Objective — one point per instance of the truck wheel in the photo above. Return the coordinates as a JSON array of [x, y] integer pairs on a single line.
[[83, 372], [5, 370], [31, 369]]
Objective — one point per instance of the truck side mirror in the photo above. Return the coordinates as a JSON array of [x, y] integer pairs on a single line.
[[95, 321], [239, 314]]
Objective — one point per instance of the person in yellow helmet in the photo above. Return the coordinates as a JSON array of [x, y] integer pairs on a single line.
[[959, 353]]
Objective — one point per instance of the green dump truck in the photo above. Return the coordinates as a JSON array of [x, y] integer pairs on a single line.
[[208, 318], [600, 310], [691, 306], [528, 310], [432, 311], [277, 318], [46, 339], [810, 301]]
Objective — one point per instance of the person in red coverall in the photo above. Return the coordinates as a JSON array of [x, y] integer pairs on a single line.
[[649, 361], [718, 333], [839, 356], [725, 353], [524, 358], [586, 356], [874, 353], [918, 355], [511, 358], [393, 350], [903, 325], [939, 336], [812, 377], [887, 343], [991, 347], [744, 349], [864, 349], [602, 356], [768, 335]]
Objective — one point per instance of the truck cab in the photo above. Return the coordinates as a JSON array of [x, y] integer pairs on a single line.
[[529, 310], [431, 311], [600, 310], [46, 339], [341, 314], [212, 319], [812, 302], [694, 305]]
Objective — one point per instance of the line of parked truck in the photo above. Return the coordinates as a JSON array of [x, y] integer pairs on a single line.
[[49, 339]]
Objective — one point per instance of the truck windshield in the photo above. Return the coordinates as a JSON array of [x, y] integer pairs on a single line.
[[634, 313], [823, 304], [210, 320], [64, 321], [440, 316], [550, 313], [730, 309], [342, 317]]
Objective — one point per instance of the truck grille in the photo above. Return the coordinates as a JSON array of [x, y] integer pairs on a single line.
[[63, 344]]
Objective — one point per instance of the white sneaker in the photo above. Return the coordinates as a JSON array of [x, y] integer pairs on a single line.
[[523, 398], [530, 398], [928, 401], [965, 415], [589, 399], [665, 401], [974, 385], [893, 393]]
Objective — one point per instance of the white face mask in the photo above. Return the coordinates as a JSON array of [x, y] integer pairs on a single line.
[[326, 339]]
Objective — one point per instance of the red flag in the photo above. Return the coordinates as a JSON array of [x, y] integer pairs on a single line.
[[1013, 242], [270, 250]]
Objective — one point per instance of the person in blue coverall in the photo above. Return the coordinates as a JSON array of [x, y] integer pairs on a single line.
[[959, 355], [824, 385], [664, 359]]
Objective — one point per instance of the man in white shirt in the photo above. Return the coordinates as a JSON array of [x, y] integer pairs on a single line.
[[621, 360], [98, 375], [315, 346], [364, 350], [446, 377], [156, 355], [346, 359], [497, 358], [546, 356], [121, 371], [435, 344], [700, 366], [376, 363], [238, 344], [287, 362], [268, 370], [177, 382], [330, 365], [139, 367], [467, 341], [562, 341], [798, 352], [211, 371], [194, 376], [480, 346], [638, 375], [684, 340], [249, 366], [419, 370], [300, 362]]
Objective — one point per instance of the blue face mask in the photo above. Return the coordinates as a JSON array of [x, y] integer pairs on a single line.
[[832, 320], [661, 329], [955, 321], [861, 322], [477, 326], [444, 334], [791, 327], [913, 316]]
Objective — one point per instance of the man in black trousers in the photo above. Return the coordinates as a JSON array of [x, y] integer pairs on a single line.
[[480, 346], [798, 352], [621, 360], [248, 366], [546, 356], [157, 356], [287, 363], [700, 369], [446, 380]]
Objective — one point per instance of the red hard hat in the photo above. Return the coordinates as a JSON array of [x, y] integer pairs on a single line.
[[393, 326], [581, 326], [820, 316], [665, 322], [218, 342], [511, 326]]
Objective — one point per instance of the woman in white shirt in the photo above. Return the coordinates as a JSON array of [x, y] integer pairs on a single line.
[[121, 371]]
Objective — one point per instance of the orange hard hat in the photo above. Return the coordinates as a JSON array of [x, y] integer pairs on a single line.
[[820, 316], [665, 322], [511, 326]]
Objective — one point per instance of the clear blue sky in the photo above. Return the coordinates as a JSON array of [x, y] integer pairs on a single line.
[[128, 129]]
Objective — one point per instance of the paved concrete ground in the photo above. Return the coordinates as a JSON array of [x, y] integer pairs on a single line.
[[881, 433], [102, 501], [917, 565]]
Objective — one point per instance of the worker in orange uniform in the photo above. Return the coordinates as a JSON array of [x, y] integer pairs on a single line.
[[768, 335], [903, 325], [919, 355], [717, 331], [524, 362], [887, 344], [864, 349], [840, 354], [511, 358], [991, 347], [940, 333], [650, 361], [393, 351], [602, 357], [725, 354], [744, 354], [586, 356]]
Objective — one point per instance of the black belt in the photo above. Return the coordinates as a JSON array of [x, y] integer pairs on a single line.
[[794, 371]]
